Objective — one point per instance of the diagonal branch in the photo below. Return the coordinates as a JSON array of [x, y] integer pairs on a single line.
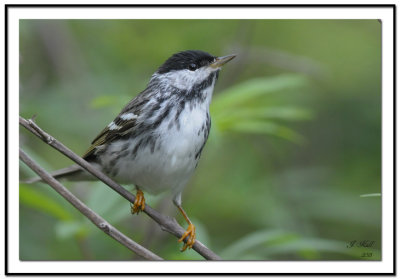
[[166, 223], [90, 214]]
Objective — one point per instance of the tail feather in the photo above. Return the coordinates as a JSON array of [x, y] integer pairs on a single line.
[[71, 173]]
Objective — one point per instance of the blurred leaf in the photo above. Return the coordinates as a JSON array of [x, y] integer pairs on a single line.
[[233, 111], [372, 195], [307, 248], [309, 254], [282, 113], [70, 229], [268, 128], [252, 240], [254, 89], [37, 200], [102, 198]]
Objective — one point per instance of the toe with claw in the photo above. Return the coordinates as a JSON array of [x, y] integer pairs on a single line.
[[191, 234], [139, 203]]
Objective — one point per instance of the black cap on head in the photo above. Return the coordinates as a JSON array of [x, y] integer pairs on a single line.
[[189, 59]]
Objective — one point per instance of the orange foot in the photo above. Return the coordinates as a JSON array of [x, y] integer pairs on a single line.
[[139, 203], [191, 233]]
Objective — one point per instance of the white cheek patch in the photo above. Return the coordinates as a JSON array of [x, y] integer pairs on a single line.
[[185, 79], [128, 116]]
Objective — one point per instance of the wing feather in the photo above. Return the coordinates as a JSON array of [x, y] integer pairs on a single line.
[[124, 123]]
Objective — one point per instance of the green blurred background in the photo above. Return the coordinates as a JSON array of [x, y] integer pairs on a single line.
[[295, 141]]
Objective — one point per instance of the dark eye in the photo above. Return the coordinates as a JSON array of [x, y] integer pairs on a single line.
[[192, 66]]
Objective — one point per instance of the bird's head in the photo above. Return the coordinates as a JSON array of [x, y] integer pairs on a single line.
[[191, 68]]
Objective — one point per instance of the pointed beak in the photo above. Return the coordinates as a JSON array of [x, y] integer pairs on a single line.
[[220, 61]]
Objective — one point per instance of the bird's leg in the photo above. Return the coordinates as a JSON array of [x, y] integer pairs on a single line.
[[139, 202], [190, 231]]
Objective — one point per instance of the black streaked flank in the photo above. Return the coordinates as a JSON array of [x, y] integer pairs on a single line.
[[178, 113], [162, 116], [152, 146], [206, 132], [150, 141], [125, 146], [135, 150], [114, 172], [123, 153]]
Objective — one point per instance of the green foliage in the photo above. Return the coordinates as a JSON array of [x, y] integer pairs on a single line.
[[372, 195], [261, 245], [70, 229], [272, 244], [244, 107], [36, 200], [253, 90], [295, 139]]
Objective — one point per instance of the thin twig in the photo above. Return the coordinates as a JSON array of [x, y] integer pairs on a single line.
[[166, 223], [90, 214]]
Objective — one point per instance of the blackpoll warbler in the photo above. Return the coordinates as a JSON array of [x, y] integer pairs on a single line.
[[156, 140]]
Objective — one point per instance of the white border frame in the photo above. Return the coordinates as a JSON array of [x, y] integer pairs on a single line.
[[383, 13]]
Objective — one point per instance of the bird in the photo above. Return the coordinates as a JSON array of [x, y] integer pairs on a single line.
[[156, 141]]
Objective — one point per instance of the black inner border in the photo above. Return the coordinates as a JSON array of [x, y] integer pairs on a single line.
[[7, 7]]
